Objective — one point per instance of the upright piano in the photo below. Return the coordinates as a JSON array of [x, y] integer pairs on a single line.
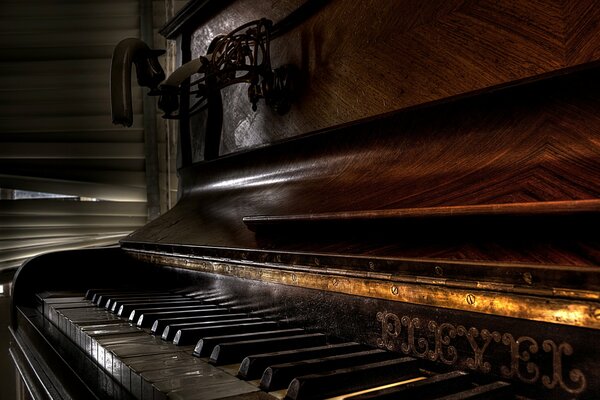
[[421, 221]]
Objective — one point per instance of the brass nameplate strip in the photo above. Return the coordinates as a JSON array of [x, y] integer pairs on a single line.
[[552, 310]]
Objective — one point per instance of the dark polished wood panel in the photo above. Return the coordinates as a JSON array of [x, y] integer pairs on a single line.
[[365, 58], [533, 143]]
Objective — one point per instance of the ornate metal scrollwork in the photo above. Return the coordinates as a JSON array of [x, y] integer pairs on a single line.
[[440, 342], [242, 56]]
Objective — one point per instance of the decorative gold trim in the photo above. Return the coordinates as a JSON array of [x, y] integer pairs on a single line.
[[481, 299]]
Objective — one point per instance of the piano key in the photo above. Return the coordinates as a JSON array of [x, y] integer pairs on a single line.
[[347, 380], [126, 308], [83, 339], [47, 299], [279, 376], [100, 345], [69, 319], [171, 330], [206, 384], [133, 367], [142, 372], [151, 378], [51, 311], [253, 366], [228, 353], [176, 359], [107, 301], [137, 313], [100, 299], [190, 336], [109, 330], [86, 314], [117, 300], [234, 390], [62, 300], [69, 324], [431, 387], [205, 346], [216, 297], [148, 319], [90, 293], [142, 345], [41, 296], [491, 391], [165, 319], [94, 294]]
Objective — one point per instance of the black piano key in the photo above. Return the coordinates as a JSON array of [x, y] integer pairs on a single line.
[[90, 293], [41, 296], [94, 294], [205, 346], [347, 380], [148, 319], [126, 308], [216, 298], [228, 353], [190, 336], [107, 301], [171, 330], [279, 376], [492, 391], [253, 366], [158, 326], [101, 299], [114, 303], [134, 315], [432, 387]]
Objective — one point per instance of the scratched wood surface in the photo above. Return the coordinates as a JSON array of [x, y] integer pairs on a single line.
[[365, 58]]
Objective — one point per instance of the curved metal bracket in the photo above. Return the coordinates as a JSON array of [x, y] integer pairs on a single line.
[[242, 56], [148, 70]]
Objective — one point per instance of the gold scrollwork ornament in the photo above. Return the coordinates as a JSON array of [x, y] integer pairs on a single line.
[[575, 375], [390, 329], [516, 355]]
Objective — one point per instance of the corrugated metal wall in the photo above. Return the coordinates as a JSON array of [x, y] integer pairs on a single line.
[[56, 134]]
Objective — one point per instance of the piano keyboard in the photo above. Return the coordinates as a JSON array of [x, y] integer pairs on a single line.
[[197, 346]]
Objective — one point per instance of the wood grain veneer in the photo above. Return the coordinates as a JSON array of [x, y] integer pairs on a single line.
[[365, 58]]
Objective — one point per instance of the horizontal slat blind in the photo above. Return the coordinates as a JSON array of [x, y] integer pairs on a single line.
[[56, 134]]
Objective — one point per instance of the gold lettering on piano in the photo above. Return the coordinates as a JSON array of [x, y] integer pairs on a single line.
[[517, 356], [439, 342], [390, 330], [410, 348], [575, 375], [471, 334]]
